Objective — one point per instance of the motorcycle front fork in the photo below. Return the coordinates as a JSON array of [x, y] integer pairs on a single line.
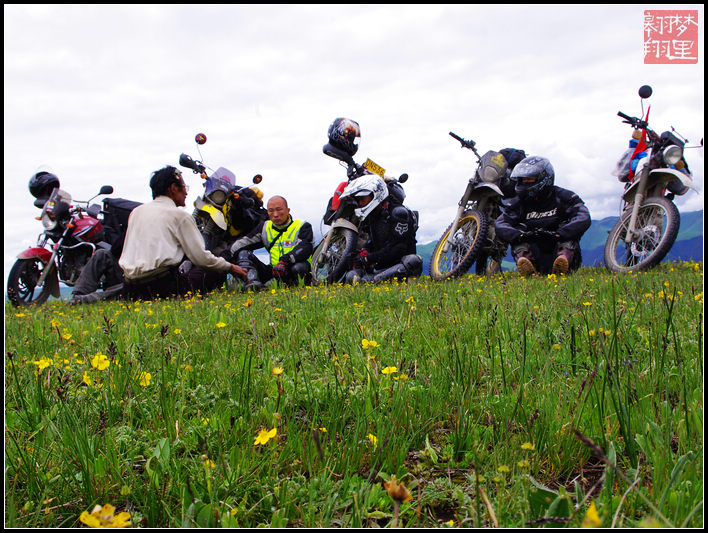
[[461, 209], [630, 235]]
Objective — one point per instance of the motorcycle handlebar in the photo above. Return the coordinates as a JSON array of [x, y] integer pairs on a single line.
[[636, 122], [465, 144]]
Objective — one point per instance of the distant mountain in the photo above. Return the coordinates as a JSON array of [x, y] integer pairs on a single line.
[[688, 245]]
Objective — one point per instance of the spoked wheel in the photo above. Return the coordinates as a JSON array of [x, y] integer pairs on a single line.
[[454, 259], [658, 223], [22, 283], [331, 258]]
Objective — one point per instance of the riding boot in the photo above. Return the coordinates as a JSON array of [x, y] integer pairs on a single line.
[[252, 281], [561, 265], [524, 263]]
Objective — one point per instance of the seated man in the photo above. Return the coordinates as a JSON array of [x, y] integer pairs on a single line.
[[158, 238], [543, 223], [390, 251], [290, 244]]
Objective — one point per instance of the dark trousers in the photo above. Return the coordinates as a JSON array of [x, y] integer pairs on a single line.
[[102, 265], [174, 283]]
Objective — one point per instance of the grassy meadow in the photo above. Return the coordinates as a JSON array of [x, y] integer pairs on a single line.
[[478, 402]]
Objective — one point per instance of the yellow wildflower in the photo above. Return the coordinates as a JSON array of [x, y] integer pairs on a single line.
[[523, 464], [366, 344], [277, 370], [145, 378], [528, 446], [372, 439], [43, 363], [264, 436], [87, 379], [503, 469], [592, 519], [100, 361], [220, 325], [105, 517], [389, 370]]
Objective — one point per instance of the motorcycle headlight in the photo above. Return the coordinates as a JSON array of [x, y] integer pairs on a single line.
[[672, 154], [218, 197], [49, 221]]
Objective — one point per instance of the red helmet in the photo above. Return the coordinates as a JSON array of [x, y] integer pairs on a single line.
[[344, 134]]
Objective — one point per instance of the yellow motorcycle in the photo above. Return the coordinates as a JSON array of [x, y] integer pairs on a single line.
[[225, 211]]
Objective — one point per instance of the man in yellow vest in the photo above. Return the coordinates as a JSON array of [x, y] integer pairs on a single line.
[[289, 242]]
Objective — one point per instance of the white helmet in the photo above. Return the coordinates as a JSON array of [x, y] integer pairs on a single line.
[[365, 186]]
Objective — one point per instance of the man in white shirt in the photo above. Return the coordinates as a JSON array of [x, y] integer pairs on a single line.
[[158, 238]]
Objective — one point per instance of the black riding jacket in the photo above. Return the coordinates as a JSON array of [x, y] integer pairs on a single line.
[[561, 211], [391, 232]]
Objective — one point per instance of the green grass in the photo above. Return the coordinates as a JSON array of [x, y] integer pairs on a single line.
[[513, 402]]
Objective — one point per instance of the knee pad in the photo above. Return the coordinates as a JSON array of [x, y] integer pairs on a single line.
[[413, 264], [300, 269]]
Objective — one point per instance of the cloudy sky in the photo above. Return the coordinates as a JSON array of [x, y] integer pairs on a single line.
[[107, 94]]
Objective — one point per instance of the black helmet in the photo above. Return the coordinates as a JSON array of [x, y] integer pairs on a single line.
[[534, 177], [344, 134], [41, 185]]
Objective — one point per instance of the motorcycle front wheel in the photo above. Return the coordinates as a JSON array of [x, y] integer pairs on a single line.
[[22, 283], [467, 240], [658, 223], [332, 258]]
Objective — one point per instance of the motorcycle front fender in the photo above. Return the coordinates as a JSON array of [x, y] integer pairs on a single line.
[[43, 254], [485, 190], [344, 223], [667, 175], [213, 213], [659, 177]]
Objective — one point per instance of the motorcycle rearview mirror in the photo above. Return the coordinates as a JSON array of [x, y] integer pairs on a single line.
[[200, 138], [403, 178], [645, 91], [106, 189], [257, 179]]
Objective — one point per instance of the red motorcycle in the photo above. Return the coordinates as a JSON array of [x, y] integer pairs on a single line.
[[70, 237]]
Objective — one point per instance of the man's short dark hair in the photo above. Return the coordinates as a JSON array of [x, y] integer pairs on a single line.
[[162, 179]]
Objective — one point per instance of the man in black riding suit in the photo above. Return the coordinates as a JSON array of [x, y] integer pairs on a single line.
[[543, 223], [390, 251]]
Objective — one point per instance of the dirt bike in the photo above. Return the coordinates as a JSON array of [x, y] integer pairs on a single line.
[[471, 238], [334, 254], [649, 220], [75, 231], [225, 211]]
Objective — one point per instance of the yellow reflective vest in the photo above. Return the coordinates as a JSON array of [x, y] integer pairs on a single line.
[[279, 243]]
